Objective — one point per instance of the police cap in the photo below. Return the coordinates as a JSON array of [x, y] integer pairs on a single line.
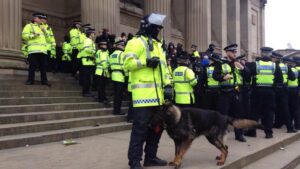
[[194, 46], [266, 49], [44, 16], [37, 14], [90, 30], [232, 47]]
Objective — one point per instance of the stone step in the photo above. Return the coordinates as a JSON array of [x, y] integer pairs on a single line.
[[35, 93], [20, 82], [24, 76], [54, 115], [41, 126], [284, 158], [54, 107], [44, 100], [59, 86], [264, 149], [58, 135]]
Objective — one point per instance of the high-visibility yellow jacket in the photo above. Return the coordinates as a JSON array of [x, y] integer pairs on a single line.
[[50, 39], [81, 44], [117, 66], [24, 50], [146, 83], [34, 38], [67, 50], [294, 83], [75, 37], [284, 70], [196, 54], [211, 82], [265, 73], [102, 63], [88, 53], [184, 80]]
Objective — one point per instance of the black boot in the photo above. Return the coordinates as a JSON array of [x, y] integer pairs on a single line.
[[239, 135], [251, 133], [155, 162], [269, 135], [29, 82], [136, 165]]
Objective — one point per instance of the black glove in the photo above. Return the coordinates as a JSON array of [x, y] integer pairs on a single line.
[[168, 93], [153, 62]]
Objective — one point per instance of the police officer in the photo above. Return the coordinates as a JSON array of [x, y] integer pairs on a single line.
[[74, 34], [293, 95], [229, 101], [211, 86], [145, 59], [66, 58], [199, 91], [51, 44], [82, 37], [118, 75], [102, 70], [88, 62], [265, 74], [37, 49], [184, 80], [282, 115], [195, 54]]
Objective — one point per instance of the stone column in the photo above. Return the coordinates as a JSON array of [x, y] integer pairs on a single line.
[[245, 14], [101, 14], [234, 22], [262, 10], [219, 22], [10, 35], [198, 23], [162, 7]]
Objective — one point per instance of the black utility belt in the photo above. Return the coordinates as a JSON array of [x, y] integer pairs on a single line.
[[227, 89], [212, 89], [88, 58]]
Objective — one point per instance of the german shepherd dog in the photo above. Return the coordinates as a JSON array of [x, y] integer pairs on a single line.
[[186, 124]]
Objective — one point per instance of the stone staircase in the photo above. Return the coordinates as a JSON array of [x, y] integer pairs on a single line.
[[39, 114]]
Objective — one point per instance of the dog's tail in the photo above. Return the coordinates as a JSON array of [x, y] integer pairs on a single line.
[[244, 123]]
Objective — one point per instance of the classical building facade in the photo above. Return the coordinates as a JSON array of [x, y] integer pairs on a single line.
[[199, 22]]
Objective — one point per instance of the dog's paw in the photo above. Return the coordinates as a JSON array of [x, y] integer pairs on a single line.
[[219, 163], [218, 158], [175, 164], [172, 163]]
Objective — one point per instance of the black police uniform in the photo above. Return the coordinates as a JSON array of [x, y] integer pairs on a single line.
[[229, 101], [282, 113], [263, 99]]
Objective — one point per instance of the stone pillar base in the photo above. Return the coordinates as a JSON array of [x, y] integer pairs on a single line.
[[13, 60]]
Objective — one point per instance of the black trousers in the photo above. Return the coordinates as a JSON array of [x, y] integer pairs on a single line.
[[37, 60], [119, 88], [211, 98], [65, 67], [199, 97], [142, 132], [101, 82], [294, 106], [282, 113], [87, 72], [246, 99], [130, 113], [229, 104], [263, 107], [74, 61]]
